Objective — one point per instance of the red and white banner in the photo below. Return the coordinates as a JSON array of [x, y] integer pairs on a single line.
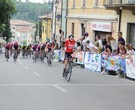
[[101, 26]]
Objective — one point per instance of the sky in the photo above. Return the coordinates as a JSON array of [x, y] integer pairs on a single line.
[[37, 1]]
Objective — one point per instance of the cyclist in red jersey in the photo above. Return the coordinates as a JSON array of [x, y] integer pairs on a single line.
[[69, 45], [8, 46], [49, 47]]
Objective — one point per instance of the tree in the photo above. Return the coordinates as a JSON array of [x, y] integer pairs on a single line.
[[7, 8], [40, 30], [30, 11]]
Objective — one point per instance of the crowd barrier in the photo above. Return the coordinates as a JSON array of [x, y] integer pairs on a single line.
[[94, 62]]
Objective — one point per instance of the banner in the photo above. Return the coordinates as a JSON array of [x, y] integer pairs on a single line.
[[130, 67], [116, 63], [61, 55], [87, 60], [56, 55], [93, 62], [80, 58], [112, 63]]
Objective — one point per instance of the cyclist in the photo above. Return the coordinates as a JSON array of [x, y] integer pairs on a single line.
[[69, 48], [16, 46], [23, 50], [7, 48], [49, 51], [49, 47], [35, 51], [11, 49], [43, 46]]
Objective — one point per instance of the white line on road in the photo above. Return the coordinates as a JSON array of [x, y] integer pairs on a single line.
[[26, 67], [59, 88], [19, 62], [58, 85], [37, 74]]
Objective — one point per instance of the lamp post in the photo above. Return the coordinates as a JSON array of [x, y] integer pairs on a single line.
[[56, 6]]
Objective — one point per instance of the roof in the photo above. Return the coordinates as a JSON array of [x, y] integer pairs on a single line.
[[20, 22], [45, 16], [24, 29]]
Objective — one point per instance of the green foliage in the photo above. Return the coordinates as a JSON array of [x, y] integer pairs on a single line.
[[30, 11], [40, 29], [7, 9]]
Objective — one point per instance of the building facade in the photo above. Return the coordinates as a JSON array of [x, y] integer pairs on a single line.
[[92, 17], [56, 19], [46, 28], [126, 11], [22, 31]]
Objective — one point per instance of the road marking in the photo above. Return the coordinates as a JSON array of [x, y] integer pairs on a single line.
[[19, 62], [58, 85], [26, 67], [37, 74], [59, 88]]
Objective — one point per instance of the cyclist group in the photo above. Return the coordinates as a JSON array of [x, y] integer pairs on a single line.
[[40, 51]]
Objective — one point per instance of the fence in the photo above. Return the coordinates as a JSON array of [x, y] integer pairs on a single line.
[[94, 62]]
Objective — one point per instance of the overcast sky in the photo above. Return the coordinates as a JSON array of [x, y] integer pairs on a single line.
[[36, 1]]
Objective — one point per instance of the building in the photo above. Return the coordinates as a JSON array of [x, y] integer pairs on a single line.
[[92, 17], [46, 27], [56, 19], [126, 12], [22, 31]]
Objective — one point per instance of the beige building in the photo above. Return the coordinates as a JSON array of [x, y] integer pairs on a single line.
[[23, 31], [56, 19], [92, 17], [46, 27], [126, 11]]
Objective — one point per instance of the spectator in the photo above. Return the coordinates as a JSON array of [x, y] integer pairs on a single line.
[[91, 47], [84, 39], [99, 49], [121, 48], [56, 45], [98, 39], [78, 46], [112, 42], [129, 51], [120, 38], [107, 50]]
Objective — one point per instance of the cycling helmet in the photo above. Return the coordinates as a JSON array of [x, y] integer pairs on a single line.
[[71, 36]]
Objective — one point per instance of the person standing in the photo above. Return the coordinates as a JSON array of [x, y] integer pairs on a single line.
[[120, 38], [98, 39]]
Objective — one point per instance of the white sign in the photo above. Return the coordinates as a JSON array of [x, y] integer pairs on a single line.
[[101, 26]]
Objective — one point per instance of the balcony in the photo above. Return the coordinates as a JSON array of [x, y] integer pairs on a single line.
[[118, 3]]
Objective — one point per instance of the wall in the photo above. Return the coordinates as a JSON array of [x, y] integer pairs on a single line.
[[89, 14], [127, 17]]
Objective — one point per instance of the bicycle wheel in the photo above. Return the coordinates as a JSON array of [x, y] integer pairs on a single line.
[[49, 59], [7, 56], [68, 72]]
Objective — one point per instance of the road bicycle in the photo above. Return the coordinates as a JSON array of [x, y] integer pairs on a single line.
[[7, 54], [68, 72]]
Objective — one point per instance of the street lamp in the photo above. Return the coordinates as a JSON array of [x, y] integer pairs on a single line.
[[56, 6]]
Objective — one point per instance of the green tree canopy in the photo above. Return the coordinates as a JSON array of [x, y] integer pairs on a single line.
[[30, 11], [7, 9]]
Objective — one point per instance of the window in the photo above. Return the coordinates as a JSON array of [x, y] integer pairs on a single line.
[[82, 29], [83, 3], [96, 3], [73, 26], [131, 34], [73, 3]]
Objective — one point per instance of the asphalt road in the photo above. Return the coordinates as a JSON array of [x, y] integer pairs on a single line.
[[25, 85]]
